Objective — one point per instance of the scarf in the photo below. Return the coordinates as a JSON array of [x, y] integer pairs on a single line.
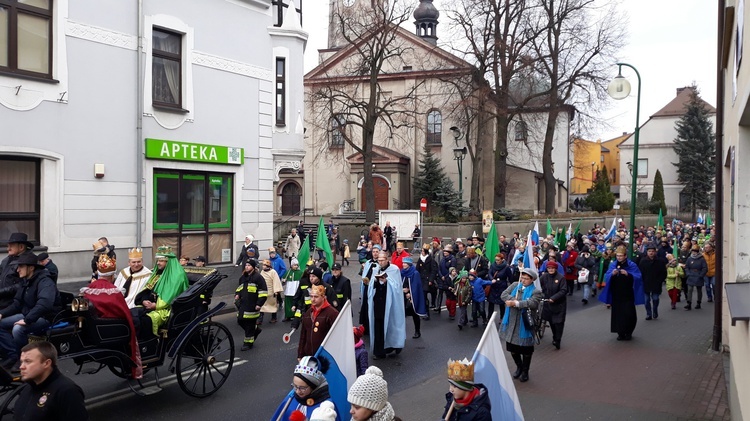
[[460, 403], [527, 293], [385, 414]]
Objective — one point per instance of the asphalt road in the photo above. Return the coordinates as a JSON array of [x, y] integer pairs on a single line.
[[260, 377]]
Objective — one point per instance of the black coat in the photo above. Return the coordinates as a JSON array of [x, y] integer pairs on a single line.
[[556, 289], [654, 273], [254, 254], [253, 292], [9, 280], [342, 286], [503, 275], [53, 271], [56, 398], [482, 266], [427, 271], [478, 409], [36, 298]]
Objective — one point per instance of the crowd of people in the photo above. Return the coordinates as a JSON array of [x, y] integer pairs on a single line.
[[623, 269]]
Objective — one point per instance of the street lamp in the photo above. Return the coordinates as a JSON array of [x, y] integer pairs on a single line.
[[619, 89], [592, 175], [459, 154]]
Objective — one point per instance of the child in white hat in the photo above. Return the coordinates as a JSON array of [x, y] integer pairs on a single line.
[[369, 398]]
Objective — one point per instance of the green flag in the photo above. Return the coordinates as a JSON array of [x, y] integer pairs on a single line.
[[492, 246], [560, 239], [675, 248], [550, 230], [321, 242], [660, 222], [578, 227], [708, 220], [304, 253]]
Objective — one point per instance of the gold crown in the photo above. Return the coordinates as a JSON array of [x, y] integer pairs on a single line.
[[135, 253], [105, 264], [461, 371]]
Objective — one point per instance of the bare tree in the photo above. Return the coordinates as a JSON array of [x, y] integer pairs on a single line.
[[575, 51], [350, 94]]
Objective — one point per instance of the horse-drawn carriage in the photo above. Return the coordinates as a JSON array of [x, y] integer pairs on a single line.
[[201, 351]]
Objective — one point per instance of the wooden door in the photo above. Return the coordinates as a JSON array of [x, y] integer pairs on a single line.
[[381, 194], [291, 196]]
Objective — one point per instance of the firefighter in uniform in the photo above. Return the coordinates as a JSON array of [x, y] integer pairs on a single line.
[[302, 298], [249, 297], [341, 285]]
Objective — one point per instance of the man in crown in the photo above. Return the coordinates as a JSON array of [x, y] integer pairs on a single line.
[[133, 278], [168, 280], [465, 399]]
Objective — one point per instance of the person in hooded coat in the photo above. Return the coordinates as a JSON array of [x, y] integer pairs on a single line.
[[385, 306], [500, 272], [623, 291], [414, 299]]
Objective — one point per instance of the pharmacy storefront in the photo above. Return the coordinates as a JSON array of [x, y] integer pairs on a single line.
[[192, 197]]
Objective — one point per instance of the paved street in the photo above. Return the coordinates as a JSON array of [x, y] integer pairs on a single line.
[[666, 373]]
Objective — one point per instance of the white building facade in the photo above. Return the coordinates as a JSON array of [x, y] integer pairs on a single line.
[[158, 122]]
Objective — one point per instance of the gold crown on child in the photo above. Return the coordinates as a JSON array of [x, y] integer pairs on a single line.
[[462, 371]]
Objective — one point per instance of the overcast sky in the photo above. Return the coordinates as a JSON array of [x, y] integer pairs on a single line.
[[672, 43]]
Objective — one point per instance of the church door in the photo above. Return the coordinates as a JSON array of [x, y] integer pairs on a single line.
[[290, 199], [381, 194]]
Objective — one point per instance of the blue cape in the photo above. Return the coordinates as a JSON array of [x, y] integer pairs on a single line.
[[632, 268], [417, 294], [395, 322]]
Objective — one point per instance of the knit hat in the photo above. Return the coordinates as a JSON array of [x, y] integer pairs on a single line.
[[317, 272], [370, 390], [359, 331], [407, 260], [294, 262], [325, 412]]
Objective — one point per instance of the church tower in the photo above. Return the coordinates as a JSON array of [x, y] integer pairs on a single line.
[[337, 9], [426, 19]]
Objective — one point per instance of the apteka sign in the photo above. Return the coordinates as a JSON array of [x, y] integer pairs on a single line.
[[173, 150]]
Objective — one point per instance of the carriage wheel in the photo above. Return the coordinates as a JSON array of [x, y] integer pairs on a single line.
[[205, 359], [6, 410]]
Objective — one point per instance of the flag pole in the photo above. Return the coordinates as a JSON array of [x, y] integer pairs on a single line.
[[487, 331], [346, 306]]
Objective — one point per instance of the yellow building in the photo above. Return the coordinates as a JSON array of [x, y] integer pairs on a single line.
[[589, 157]]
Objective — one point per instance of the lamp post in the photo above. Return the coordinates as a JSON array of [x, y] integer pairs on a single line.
[[619, 89], [458, 155], [593, 178]]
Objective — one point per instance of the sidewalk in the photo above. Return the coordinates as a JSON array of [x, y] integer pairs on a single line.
[[667, 372]]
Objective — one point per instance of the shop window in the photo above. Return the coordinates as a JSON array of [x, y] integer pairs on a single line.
[[193, 213], [26, 37], [166, 68], [19, 190]]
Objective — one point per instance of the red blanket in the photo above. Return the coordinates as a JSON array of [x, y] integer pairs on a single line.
[[109, 303]]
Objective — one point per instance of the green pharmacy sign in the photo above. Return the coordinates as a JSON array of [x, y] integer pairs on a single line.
[[171, 150]]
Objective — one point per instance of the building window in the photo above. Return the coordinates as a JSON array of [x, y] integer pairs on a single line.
[[19, 188], [338, 125], [26, 37], [193, 213], [521, 131], [280, 91], [642, 167], [167, 69], [434, 127], [280, 8]]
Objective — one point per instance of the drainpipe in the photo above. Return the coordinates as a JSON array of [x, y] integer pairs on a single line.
[[139, 131], [719, 252]]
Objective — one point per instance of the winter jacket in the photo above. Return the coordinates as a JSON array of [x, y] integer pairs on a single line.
[[9, 281], [695, 270], [588, 263], [36, 298], [252, 293], [501, 274], [710, 263], [674, 276], [249, 251], [463, 293], [481, 266], [654, 273], [554, 288], [477, 286], [478, 409], [569, 264], [445, 264], [427, 270]]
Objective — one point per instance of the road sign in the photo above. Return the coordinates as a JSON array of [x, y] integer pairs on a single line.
[[423, 205]]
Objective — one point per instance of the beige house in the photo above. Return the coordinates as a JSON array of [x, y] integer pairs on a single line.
[[656, 152], [333, 171], [733, 149]]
